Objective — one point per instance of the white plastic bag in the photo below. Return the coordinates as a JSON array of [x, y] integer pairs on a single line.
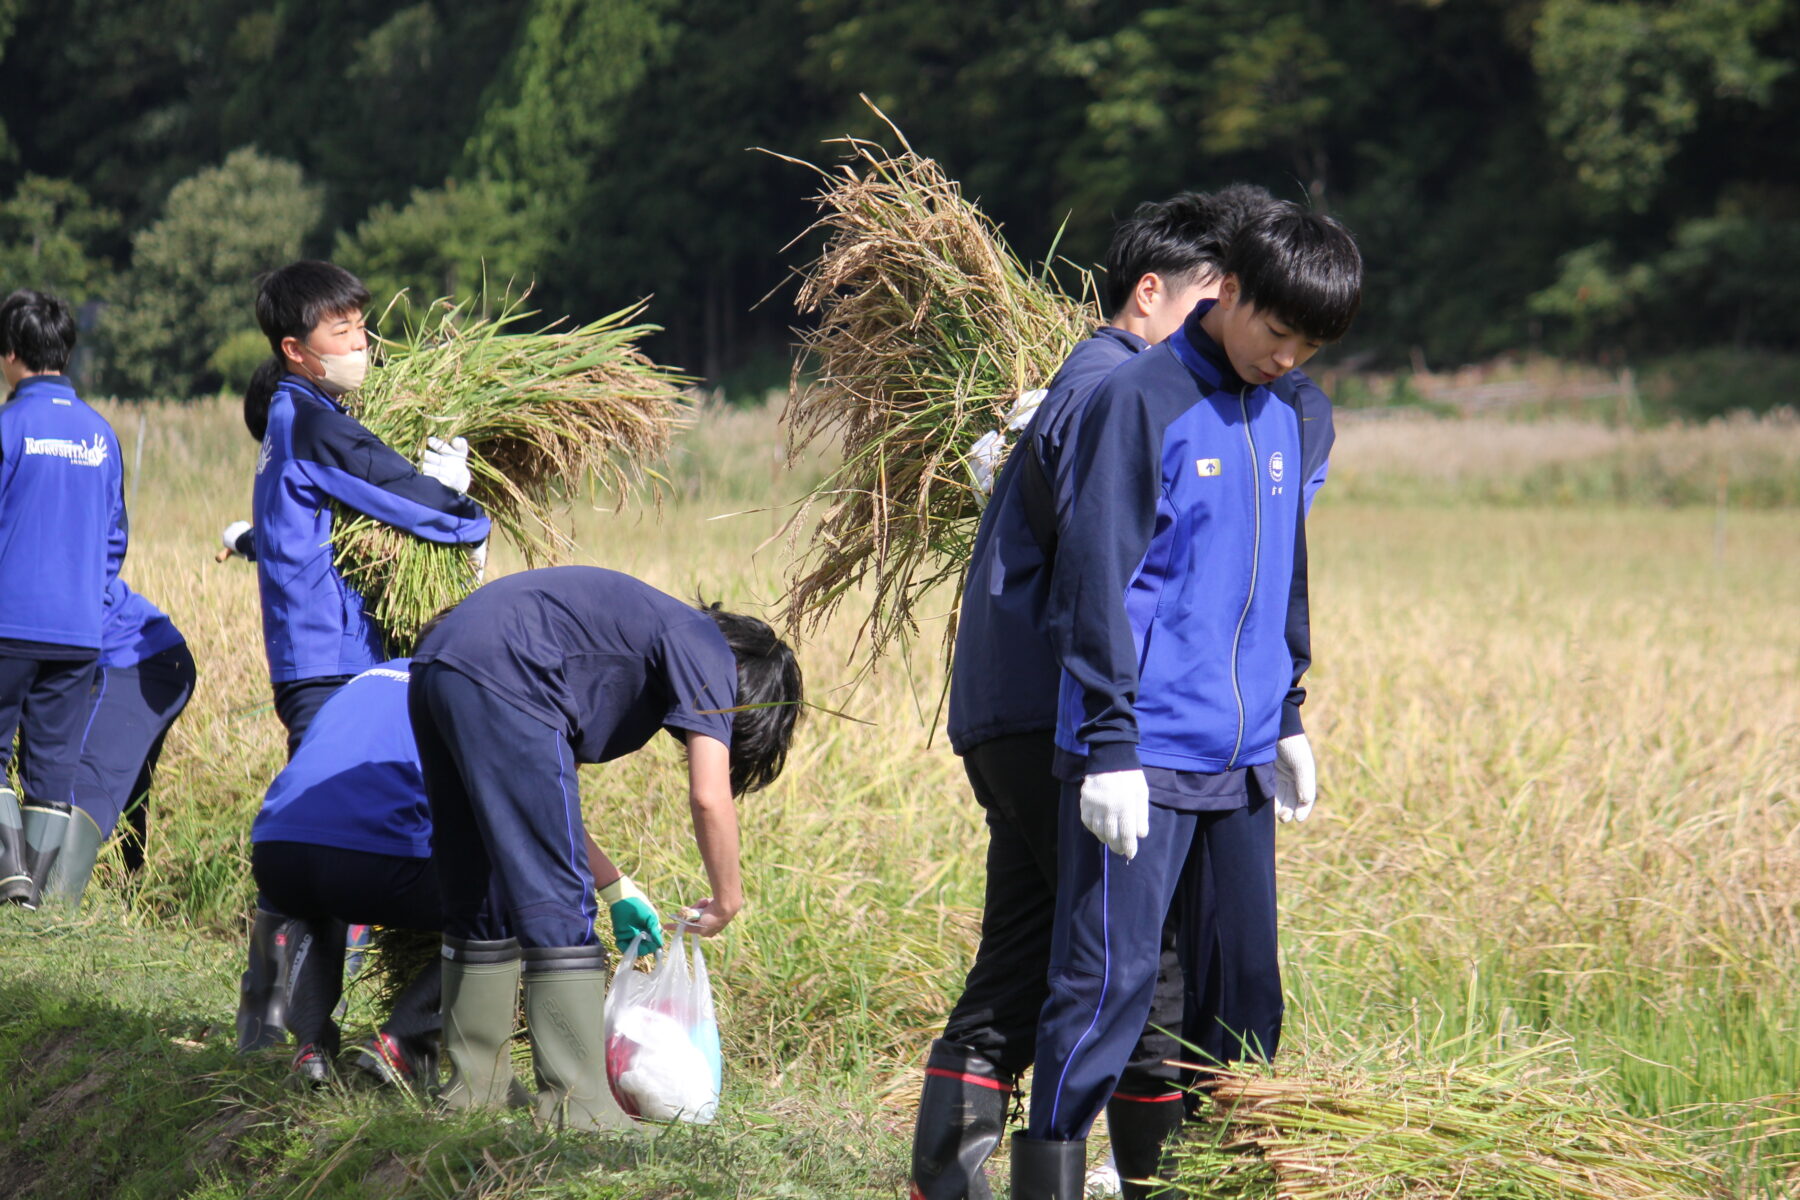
[[662, 1037]]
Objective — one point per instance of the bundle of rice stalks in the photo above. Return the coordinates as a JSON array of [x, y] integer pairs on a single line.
[[929, 329], [1513, 1129], [541, 410]]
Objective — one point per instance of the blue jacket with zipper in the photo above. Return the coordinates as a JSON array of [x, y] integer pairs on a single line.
[[63, 530], [1178, 603], [314, 453], [1005, 677]]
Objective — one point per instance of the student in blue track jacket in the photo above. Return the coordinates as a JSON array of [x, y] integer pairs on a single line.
[[1178, 609], [344, 837], [62, 539], [314, 456], [144, 679], [530, 676], [1002, 716]]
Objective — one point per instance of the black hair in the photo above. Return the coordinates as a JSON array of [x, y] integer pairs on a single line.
[[1301, 266], [39, 328], [259, 394], [292, 301], [769, 698], [1183, 238]]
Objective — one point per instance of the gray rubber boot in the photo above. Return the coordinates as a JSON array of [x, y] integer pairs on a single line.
[[565, 1014], [68, 878], [15, 883], [1048, 1170], [46, 825], [262, 991], [481, 998]]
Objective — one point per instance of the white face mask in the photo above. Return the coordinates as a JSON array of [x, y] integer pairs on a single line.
[[343, 372]]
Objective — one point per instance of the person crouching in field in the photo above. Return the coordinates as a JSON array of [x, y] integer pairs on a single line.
[[529, 676], [1178, 609], [143, 681], [315, 456], [344, 837], [63, 535], [1165, 259]]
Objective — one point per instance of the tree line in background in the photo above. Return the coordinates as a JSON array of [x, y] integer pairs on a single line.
[[1608, 179]]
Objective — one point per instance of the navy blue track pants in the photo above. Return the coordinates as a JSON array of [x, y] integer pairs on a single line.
[[44, 701], [505, 814], [1216, 872], [129, 712], [997, 1015]]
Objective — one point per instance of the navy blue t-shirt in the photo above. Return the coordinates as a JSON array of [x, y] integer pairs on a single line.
[[355, 781], [603, 658]]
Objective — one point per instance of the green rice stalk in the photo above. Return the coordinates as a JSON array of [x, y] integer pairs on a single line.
[[1522, 1128], [929, 327], [543, 411]]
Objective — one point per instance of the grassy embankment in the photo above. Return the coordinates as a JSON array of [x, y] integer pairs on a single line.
[[1558, 747]]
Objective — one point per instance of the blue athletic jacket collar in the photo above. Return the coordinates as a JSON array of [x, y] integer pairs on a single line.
[[300, 382], [59, 381], [1203, 356], [1124, 337]]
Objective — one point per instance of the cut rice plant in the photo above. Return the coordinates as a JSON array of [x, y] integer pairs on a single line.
[[1522, 1127], [929, 330], [543, 411]]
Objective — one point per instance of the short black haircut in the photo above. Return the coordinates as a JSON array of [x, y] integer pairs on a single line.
[[39, 328], [1183, 238], [1300, 266], [292, 301], [769, 698], [260, 393]]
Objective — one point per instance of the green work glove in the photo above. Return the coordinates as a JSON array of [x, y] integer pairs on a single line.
[[632, 916]]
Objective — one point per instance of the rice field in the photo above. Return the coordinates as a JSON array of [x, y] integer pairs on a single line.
[[1559, 746]]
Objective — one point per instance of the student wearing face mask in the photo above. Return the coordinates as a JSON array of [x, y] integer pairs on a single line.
[[314, 456]]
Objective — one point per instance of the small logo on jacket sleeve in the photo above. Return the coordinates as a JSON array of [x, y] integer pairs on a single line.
[[1275, 467], [1208, 467]]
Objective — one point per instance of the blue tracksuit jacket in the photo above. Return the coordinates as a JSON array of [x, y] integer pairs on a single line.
[[133, 629], [1178, 590], [314, 453], [62, 514], [1004, 677]]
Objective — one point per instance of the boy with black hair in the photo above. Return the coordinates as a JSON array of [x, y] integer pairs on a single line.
[[314, 456], [1163, 261], [63, 534], [528, 677], [1178, 608]]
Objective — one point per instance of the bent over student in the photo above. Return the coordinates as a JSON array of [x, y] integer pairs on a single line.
[[528, 677]]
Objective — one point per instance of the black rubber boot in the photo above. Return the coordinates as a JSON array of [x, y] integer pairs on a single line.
[[1047, 1170], [46, 825], [1139, 1129], [962, 1111], [15, 882], [68, 879], [262, 992]]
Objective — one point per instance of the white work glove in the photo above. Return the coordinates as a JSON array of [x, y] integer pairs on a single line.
[[447, 462], [233, 532], [478, 560], [1115, 807], [1296, 779], [1019, 416], [984, 458]]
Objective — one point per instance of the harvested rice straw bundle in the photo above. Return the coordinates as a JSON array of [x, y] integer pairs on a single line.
[[1486, 1132], [929, 330], [541, 410]]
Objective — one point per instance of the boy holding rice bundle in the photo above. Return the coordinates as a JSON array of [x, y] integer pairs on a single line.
[[315, 455], [528, 677], [1163, 261], [1178, 609], [62, 540]]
